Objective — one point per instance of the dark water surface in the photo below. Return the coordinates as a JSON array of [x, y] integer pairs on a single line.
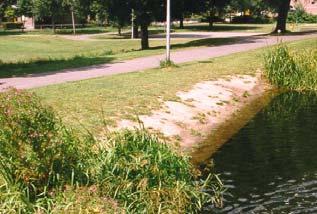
[[270, 166]]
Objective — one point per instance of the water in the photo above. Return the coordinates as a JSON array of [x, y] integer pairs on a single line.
[[270, 166]]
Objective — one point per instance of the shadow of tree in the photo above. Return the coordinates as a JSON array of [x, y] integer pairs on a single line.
[[41, 66], [219, 28], [209, 42], [11, 32]]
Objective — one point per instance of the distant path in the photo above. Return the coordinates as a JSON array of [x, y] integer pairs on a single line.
[[126, 66]]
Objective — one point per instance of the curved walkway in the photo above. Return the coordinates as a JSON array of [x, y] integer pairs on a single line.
[[44, 79]]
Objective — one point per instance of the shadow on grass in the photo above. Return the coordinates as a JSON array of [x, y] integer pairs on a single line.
[[11, 32], [209, 42], [231, 27], [289, 33], [81, 31], [127, 35], [44, 67], [65, 31]]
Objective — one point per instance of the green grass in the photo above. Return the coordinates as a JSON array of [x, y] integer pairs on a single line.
[[92, 102], [287, 68], [31, 54], [90, 29], [40, 51]]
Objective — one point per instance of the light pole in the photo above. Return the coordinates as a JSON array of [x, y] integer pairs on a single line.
[[168, 31], [132, 24]]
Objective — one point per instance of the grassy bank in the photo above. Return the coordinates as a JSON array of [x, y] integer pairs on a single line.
[[93, 102], [46, 168]]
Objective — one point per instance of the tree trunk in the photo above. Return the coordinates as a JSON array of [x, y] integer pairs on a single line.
[[119, 31], [136, 31], [181, 22], [144, 37], [282, 16], [73, 21], [211, 19], [53, 25]]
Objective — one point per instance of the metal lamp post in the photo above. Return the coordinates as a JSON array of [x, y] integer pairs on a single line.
[[168, 31]]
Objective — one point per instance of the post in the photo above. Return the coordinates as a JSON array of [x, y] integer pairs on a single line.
[[73, 21], [132, 24], [168, 31]]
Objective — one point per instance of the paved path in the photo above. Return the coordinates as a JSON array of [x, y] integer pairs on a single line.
[[245, 44]]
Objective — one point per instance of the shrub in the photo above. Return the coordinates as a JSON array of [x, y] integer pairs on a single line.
[[292, 69], [299, 15], [146, 176], [37, 152], [12, 25]]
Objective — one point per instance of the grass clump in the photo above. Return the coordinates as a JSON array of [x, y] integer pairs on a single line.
[[292, 69], [46, 168], [147, 176], [167, 64]]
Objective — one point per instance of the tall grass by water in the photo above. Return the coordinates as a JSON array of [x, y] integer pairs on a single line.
[[294, 69], [46, 168]]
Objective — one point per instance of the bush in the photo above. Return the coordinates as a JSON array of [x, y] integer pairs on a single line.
[[12, 25], [292, 69], [299, 15], [146, 176], [37, 152]]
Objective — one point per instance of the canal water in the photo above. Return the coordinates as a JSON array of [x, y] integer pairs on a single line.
[[270, 166]]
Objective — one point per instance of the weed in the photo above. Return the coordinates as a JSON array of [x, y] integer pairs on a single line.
[[167, 64]]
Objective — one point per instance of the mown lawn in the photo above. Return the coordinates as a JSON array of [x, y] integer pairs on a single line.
[[31, 54], [40, 51], [90, 103]]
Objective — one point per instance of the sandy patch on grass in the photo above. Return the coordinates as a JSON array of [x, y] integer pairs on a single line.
[[203, 109]]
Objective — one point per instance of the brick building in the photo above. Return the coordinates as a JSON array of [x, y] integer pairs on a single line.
[[309, 5]]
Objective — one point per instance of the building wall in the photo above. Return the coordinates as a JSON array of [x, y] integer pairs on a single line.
[[309, 5], [28, 22]]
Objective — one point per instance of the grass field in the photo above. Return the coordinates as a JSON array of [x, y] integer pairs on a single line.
[[30, 54], [40, 51], [90, 103]]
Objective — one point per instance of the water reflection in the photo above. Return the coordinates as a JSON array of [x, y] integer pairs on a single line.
[[270, 166]]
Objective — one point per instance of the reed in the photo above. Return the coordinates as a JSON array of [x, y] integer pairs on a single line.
[[292, 69]]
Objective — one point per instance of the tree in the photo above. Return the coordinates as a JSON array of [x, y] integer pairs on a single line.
[[211, 7], [181, 8], [80, 8], [282, 7], [48, 8], [119, 13], [4, 6], [147, 11], [25, 7]]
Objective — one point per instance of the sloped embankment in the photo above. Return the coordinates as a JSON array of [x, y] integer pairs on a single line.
[[202, 110]]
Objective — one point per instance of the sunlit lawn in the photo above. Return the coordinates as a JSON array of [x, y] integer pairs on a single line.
[[29, 54], [92, 102], [38, 52]]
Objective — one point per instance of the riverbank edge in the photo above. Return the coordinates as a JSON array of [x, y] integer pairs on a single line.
[[205, 117], [220, 135]]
